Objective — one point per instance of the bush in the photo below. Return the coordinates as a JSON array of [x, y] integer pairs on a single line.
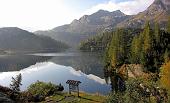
[[136, 92], [165, 76], [44, 89], [116, 98]]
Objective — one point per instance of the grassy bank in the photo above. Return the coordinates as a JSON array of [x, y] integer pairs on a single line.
[[66, 98]]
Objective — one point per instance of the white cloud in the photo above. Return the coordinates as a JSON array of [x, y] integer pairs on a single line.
[[90, 76], [128, 7], [35, 14], [47, 14], [96, 78], [76, 73]]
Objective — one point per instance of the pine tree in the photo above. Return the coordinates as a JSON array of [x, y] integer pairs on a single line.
[[147, 38], [165, 75], [16, 83], [136, 49], [147, 55], [168, 28], [156, 46], [157, 33], [146, 44], [122, 47], [166, 56], [117, 48], [113, 49]]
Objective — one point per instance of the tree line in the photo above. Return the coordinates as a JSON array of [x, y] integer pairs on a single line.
[[150, 47]]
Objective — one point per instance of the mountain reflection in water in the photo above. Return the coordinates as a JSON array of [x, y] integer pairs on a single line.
[[51, 72]]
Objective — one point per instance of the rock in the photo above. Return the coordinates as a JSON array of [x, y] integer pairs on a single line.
[[47, 98], [38, 98], [5, 99]]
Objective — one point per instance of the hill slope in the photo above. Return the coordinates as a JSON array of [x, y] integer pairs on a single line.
[[18, 40], [86, 26], [158, 11], [89, 25]]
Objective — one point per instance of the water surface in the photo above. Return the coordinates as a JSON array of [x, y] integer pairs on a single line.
[[56, 68]]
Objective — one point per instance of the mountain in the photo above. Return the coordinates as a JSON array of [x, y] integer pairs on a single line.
[[96, 21], [89, 25], [158, 11], [86, 26], [13, 39]]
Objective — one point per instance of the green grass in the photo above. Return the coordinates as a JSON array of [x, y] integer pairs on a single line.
[[84, 98]]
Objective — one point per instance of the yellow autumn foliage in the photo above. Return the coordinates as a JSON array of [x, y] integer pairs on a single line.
[[165, 76]]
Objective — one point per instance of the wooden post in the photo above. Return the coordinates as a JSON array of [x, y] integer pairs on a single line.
[[69, 89], [78, 90]]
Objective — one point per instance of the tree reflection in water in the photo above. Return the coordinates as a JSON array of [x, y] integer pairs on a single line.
[[116, 76]]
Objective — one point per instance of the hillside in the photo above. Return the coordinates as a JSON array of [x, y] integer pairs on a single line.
[[13, 39], [86, 26], [158, 11], [100, 42], [89, 25]]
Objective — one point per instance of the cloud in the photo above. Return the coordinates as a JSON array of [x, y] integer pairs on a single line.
[[90, 76], [46, 14], [128, 7], [96, 78], [76, 73], [34, 14]]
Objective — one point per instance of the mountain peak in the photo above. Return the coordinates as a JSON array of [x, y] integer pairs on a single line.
[[102, 11], [86, 26], [107, 12], [118, 11], [158, 11], [11, 29], [165, 4]]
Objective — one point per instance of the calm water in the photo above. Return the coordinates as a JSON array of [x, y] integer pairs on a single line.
[[56, 68]]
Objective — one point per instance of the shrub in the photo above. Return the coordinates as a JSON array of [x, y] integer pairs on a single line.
[[165, 75], [44, 89], [136, 92], [116, 98]]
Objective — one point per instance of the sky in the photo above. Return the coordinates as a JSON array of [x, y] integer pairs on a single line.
[[35, 15]]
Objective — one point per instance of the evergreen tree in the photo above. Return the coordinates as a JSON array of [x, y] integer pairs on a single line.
[[16, 83], [113, 49], [116, 50], [168, 28], [136, 49], [156, 46], [166, 56], [147, 38], [165, 76], [146, 44], [157, 33], [147, 56]]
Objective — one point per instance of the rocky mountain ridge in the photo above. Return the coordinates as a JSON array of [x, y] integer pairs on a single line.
[[13, 39], [158, 11], [89, 25], [86, 26]]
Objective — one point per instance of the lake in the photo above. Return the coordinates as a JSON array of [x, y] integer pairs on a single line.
[[56, 68]]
